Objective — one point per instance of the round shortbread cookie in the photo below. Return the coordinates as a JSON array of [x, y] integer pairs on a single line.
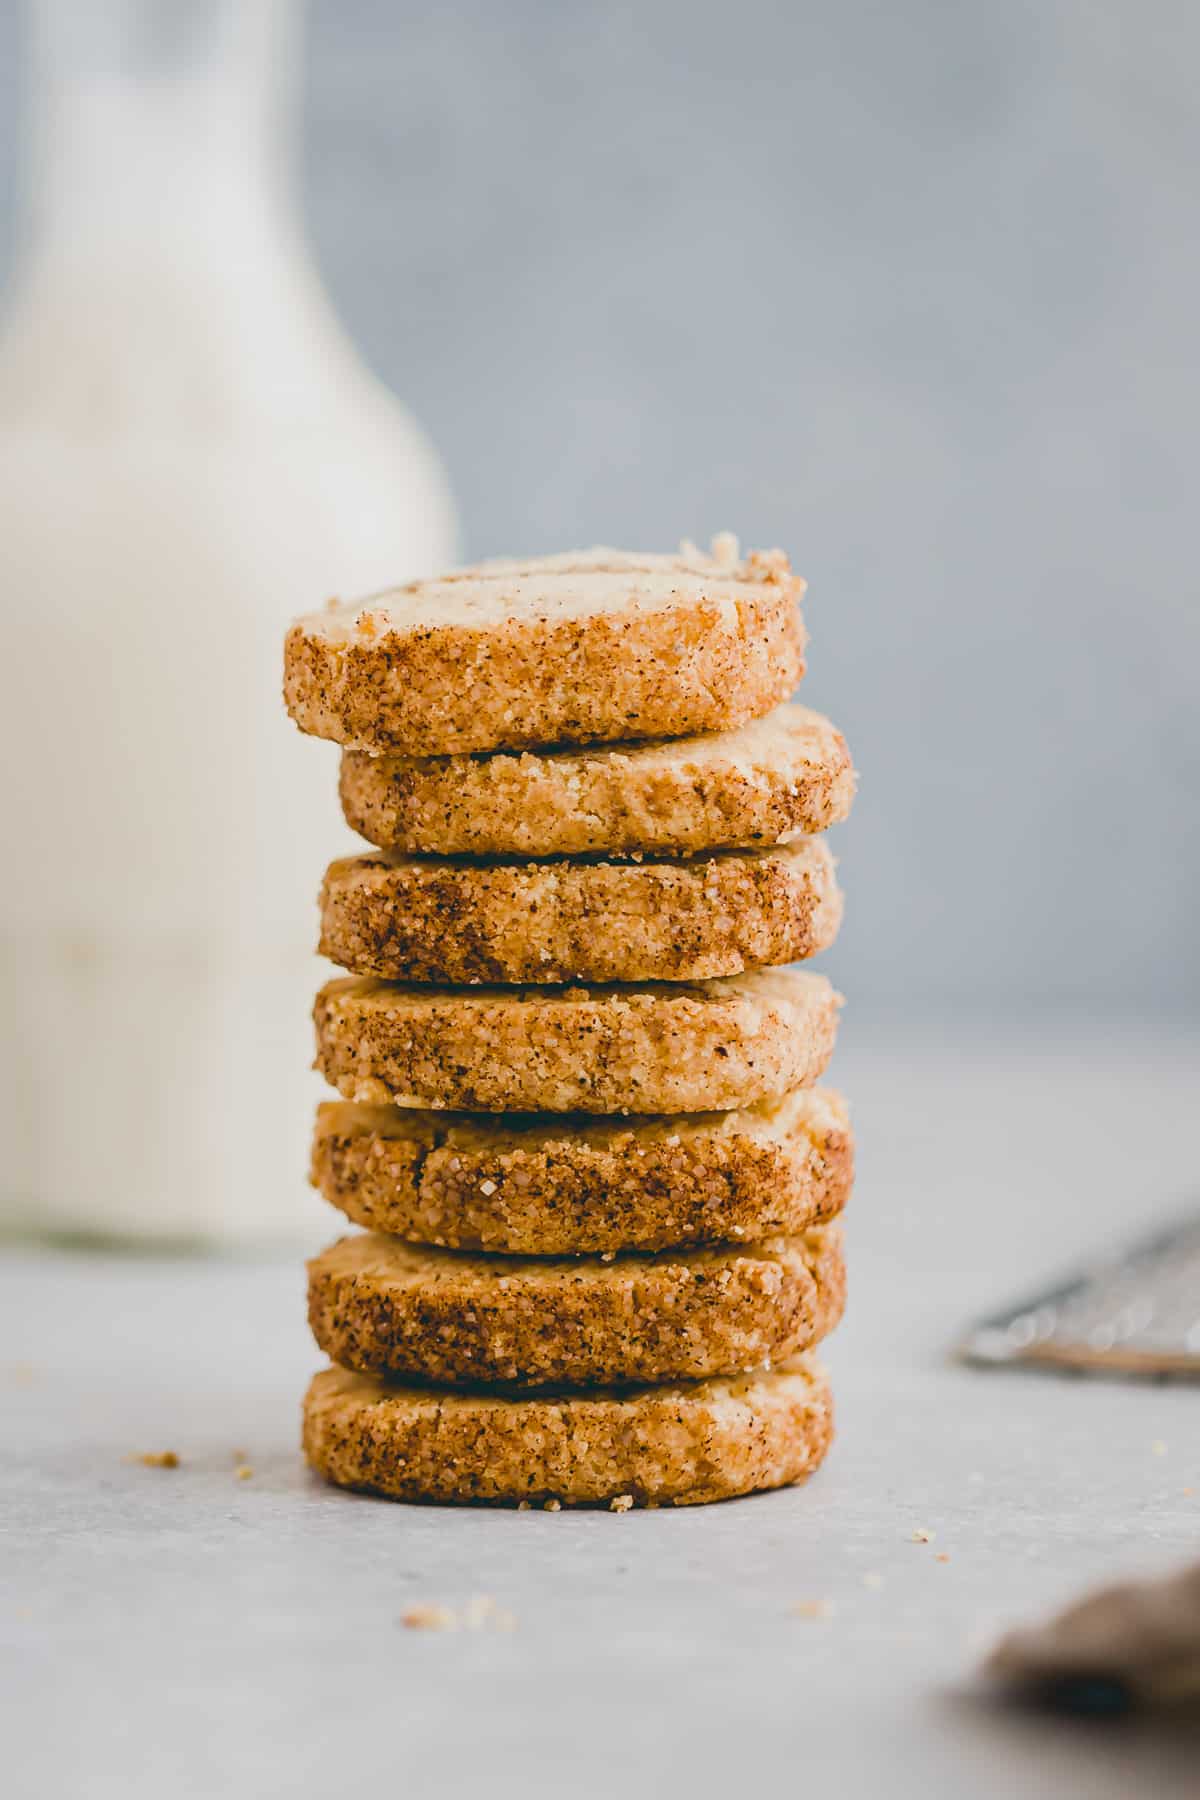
[[429, 919], [678, 1446], [701, 1046], [569, 1186], [384, 1307], [595, 644], [775, 779]]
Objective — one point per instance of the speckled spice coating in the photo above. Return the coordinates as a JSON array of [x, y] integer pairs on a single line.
[[679, 1445], [383, 1307], [435, 920], [687, 1047], [573, 1185], [767, 783], [595, 645]]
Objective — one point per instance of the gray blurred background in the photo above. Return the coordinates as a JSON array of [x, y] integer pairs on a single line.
[[910, 290]]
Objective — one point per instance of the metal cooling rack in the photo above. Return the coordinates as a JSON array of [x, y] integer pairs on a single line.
[[1134, 1312]]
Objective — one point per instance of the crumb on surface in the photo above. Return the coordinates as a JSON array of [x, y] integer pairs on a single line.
[[429, 1618], [478, 1611], [620, 1503], [552, 1505], [942, 1556], [159, 1459], [1158, 1447], [481, 1611], [922, 1536], [243, 1472], [813, 1609]]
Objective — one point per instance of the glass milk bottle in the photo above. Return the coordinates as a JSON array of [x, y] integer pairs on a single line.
[[190, 453]]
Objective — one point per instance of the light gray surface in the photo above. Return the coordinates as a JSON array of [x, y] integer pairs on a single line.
[[911, 290], [182, 1632]]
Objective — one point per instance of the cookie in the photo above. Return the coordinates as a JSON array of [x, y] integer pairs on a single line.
[[678, 1445], [569, 1186], [769, 782], [433, 920], [384, 1307], [595, 644], [703, 1046]]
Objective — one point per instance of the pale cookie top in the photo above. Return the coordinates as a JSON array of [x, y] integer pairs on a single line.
[[765, 988], [765, 783], [373, 1257], [802, 1369], [576, 584], [814, 1110]]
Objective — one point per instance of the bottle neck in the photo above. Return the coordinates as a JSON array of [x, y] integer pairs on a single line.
[[165, 277], [159, 131]]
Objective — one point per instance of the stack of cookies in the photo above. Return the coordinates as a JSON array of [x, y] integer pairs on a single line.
[[579, 1122]]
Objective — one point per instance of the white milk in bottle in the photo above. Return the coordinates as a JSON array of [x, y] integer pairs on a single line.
[[190, 454]]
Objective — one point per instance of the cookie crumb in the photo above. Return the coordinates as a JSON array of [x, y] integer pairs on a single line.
[[620, 1503], [429, 1618], [159, 1459], [243, 1472], [768, 565], [551, 1505], [922, 1536], [478, 1611], [1158, 1448], [813, 1609], [872, 1579], [481, 1611], [942, 1556], [522, 1506]]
